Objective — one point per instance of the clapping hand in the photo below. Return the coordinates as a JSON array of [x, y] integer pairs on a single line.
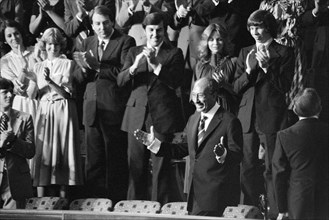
[[218, 76], [81, 8], [219, 148], [149, 53], [250, 63], [182, 11], [46, 74], [144, 137], [263, 57], [44, 5], [5, 137]]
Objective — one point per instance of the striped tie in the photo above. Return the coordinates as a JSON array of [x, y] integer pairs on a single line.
[[3, 122], [201, 129]]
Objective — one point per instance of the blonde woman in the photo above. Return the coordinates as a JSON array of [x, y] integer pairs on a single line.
[[57, 160]]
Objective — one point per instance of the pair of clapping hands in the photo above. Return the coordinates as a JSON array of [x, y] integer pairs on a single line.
[[86, 60], [150, 55], [148, 138], [262, 58]]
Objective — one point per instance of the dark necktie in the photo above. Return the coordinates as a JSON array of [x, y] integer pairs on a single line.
[[3, 122], [101, 50], [201, 130]]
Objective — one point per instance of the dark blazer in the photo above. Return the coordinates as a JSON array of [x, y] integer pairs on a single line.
[[158, 93], [102, 93], [263, 94], [18, 171], [300, 170], [211, 181]]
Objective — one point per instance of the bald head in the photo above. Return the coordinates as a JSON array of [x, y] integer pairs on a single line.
[[204, 95]]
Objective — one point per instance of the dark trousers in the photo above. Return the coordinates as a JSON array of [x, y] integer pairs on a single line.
[[106, 161], [6, 199], [139, 168], [252, 183], [196, 210], [252, 168], [138, 163]]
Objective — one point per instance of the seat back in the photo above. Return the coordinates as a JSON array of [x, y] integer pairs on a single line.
[[137, 206], [92, 204], [242, 211], [46, 203], [175, 208]]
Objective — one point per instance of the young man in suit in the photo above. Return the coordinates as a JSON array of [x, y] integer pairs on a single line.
[[214, 144], [154, 72], [300, 162], [16, 145], [101, 58], [262, 78]]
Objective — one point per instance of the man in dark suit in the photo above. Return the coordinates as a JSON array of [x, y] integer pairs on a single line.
[[154, 71], [300, 162], [214, 144], [263, 76], [16, 145], [101, 59]]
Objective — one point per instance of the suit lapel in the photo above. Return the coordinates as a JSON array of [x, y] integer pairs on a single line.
[[162, 57], [16, 121], [111, 46], [214, 123]]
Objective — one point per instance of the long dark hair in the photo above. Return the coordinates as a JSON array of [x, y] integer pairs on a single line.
[[5, 23], [204, 51]]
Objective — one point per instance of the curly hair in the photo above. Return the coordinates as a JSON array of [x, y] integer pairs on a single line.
[[52, 35], [204, 51]]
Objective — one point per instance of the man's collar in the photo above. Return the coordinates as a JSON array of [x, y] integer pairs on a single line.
[[211, 112], [266, 44], [106, 41], [156, 48], [5, 112]]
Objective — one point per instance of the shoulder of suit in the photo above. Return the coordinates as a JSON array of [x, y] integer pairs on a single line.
[[20, 114]]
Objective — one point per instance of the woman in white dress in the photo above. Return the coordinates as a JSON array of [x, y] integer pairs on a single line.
[[57, 161], [17, 66]]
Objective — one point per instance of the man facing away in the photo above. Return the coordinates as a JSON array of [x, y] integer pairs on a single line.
[[16, 145], [214, 144], [300, 162]]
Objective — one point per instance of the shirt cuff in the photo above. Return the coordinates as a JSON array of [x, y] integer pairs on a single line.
[[221, 159], [157, 69], [216, 2], [265, 70], [80, 19], [154, 147]]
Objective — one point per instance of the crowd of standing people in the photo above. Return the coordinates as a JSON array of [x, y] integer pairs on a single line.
[[232, 86]]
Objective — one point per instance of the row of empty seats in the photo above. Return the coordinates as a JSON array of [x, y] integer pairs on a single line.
[[106, 205], [132, 206]]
